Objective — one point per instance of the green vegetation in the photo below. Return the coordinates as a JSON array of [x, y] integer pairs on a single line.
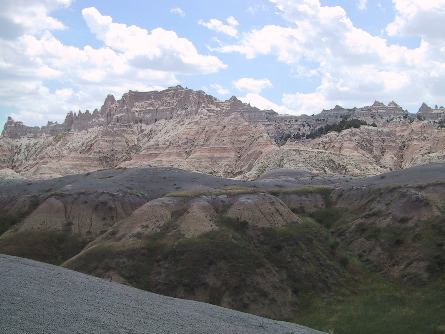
[[306, 271], [237, 190], [102, 177], [338, 127], [327, 216], [249, 265], [344, 124], [60, 136], [189, 193], [324, 191], [46, 246], [381, 307], [8, 220]]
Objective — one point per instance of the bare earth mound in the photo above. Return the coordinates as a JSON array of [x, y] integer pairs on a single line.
[[41, 298]]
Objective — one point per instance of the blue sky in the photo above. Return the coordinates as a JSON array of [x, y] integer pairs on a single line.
[[294, 56]]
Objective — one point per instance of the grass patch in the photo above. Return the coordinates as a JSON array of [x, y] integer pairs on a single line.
[[238, 190], [380, 308], [60, 136], [6, 222], [325, 191], [227, 263], [189, 193], [236, 224], [105, 177], [327, 216], [46, 246], [332, 290], [235, 190]]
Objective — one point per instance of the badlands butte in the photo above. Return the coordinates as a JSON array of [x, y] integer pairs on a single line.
[[191, 130], [335, 221]]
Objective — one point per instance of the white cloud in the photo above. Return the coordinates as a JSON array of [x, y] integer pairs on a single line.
[[161, 50], [253, 9], [262, 103], [419, 18], [280, 41], [219, 26], [219, 89], [252, 85], [24, 16], [353, 67], [178, 11], [131, 58], [362, 4], [306, 103], [232, 21]]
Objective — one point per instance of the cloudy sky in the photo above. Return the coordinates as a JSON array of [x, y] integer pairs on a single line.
[[294, 56]]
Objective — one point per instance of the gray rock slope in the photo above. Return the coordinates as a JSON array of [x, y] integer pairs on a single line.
[[41, 298]]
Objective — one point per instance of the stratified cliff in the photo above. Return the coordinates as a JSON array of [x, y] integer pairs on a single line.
[[189, 129]]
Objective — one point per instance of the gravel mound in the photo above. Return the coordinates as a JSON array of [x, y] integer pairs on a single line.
[[41, 298]]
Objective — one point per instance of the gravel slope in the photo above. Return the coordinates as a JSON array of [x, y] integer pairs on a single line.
[[41, 298]]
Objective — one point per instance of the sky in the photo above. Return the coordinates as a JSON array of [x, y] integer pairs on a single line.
[[292, 56]]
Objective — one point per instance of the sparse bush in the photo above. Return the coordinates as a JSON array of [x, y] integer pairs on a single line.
[[344, 261], [327, 216], [404, 219], [234, 223], [375, 213], [102, 177], [6, 222], [398, 241], [60, 136], [52, 247]]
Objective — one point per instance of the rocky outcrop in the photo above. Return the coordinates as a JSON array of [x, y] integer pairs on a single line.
[[431, 114], [7, 174], [16, 130], [189, 129]]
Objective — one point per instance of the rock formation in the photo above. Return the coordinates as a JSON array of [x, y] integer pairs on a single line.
[[189, 129]]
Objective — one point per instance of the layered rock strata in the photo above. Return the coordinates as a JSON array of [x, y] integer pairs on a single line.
[[192, 130]]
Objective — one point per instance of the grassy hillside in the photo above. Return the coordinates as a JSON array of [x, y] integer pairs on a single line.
[[266, 271], [379, 307], [353, 260]]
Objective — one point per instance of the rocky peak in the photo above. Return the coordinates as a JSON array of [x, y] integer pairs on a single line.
[[424, 108], [338, 108], [378, 104], [15, 130], [146, 108], [237, 105], [392, 104], [109, 101]]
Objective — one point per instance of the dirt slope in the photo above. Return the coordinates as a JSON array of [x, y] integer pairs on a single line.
[[40, 298]]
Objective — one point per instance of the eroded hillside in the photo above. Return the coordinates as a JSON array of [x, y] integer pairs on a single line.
[[283, 246], [188, 129]]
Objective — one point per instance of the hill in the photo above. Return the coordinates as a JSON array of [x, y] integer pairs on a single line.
[[40, 298], [330, 252]]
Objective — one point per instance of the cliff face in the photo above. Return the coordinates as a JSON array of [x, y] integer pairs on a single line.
[[192, 130]]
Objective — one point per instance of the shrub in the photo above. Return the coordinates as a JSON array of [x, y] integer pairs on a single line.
[[46, 246], [327, 216], [404, 219]]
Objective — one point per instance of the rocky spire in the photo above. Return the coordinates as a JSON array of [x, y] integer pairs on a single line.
[[378, 104], [424, 108], [14, 130]]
